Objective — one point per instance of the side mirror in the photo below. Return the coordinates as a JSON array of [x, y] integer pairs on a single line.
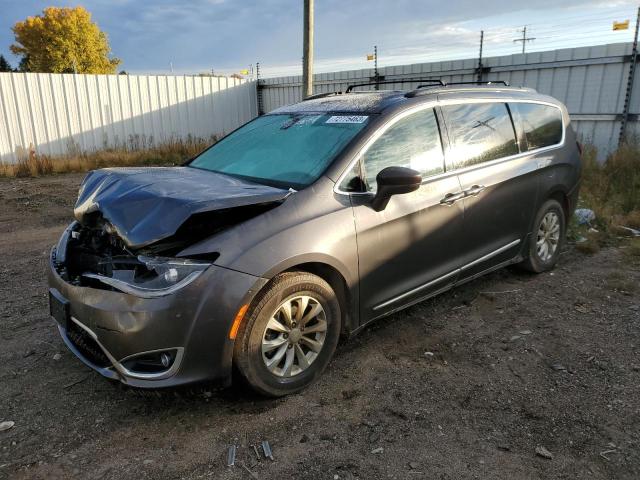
[[394, 181]]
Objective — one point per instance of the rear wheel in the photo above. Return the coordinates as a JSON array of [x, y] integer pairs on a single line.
[[547, 238], [289, 336]]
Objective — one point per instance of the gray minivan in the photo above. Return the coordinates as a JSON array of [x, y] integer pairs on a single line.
[[307, 224]]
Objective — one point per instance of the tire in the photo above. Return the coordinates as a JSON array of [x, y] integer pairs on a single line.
[[538, 259], [256, 344]]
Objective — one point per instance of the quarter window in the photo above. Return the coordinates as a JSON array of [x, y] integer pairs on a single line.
[[412, 142], [479, 132], [542, 124]]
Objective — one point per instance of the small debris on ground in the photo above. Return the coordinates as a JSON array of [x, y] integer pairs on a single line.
[[632, 231], [607, 452], [378, 450], [57, 357], [266, 448], [558, 367], [253, 475], [231, 456], [6, 425], [582, 309], [584, 216], [543, 452]]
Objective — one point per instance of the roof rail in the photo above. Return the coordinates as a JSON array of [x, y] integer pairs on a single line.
[[484, 82], [321, 95], [489, 82], [416, 92], [400, 80]]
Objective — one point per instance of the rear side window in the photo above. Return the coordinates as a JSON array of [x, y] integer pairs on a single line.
[[479, 132], [542, 124], [412, 142]]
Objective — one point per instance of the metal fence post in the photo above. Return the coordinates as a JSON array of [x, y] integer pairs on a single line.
[[630, 81]]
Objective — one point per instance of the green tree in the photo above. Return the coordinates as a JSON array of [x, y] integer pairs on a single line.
[[63, 40], [4, 65]]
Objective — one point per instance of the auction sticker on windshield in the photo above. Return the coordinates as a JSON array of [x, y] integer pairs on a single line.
[[348, 119]]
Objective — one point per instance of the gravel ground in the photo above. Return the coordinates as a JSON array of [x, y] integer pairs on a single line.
[[481, 382]]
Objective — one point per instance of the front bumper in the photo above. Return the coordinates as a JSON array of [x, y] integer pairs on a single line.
[[104, 328]]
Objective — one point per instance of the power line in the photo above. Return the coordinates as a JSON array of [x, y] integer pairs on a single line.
[[547, 36], [524, 38]]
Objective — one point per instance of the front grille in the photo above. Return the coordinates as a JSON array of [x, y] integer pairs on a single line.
[[87, 346]]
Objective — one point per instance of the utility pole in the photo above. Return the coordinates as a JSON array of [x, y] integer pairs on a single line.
[[480, 57], [524, 38], [630, 81], [307, 53]]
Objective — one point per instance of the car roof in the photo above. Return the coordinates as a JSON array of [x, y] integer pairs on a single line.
[[377, 101], [354, 102]]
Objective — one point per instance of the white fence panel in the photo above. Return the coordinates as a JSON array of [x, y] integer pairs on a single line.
[[56, 114]]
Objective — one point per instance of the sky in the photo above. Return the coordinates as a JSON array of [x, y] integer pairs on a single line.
[[226, 36]]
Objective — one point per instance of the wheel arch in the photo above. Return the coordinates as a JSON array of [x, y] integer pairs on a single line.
[[562, 197], [336, 276], [339, 285]]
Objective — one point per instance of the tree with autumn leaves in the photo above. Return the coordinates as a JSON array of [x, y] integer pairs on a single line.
[[63, 40]]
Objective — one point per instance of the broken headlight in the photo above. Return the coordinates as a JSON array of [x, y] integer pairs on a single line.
[[152, 277]]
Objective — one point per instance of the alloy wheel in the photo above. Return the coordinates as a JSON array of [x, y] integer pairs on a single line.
[[294, 336], [548, 236]]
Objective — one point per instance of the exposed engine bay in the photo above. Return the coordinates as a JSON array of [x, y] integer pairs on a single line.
[[133, 222], [95, 251]]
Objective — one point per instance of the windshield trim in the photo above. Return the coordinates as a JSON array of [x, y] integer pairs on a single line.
[[257, 180]]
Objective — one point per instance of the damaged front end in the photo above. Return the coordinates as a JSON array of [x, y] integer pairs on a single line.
[[97, 258], [132, 224], [127, 302], [94, 255]]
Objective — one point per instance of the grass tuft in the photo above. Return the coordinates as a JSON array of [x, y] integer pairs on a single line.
[[633, 250], [138, 151], [612, 189]]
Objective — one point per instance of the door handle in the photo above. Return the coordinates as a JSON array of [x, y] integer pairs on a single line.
[[451, 198], [473, 191]]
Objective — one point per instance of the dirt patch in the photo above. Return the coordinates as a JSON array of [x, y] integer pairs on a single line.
[[466, 385]]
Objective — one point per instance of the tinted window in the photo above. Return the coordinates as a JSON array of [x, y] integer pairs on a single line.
[[542, 124], [412, 142], [479, 132]]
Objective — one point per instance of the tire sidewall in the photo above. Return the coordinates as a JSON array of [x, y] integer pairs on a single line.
[[252, 365], [537, 263]]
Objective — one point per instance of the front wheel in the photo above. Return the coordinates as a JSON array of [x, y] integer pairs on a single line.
[[290, 334], [549, 231]]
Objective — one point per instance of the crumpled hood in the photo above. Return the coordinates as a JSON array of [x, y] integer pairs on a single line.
[[146, 205]]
